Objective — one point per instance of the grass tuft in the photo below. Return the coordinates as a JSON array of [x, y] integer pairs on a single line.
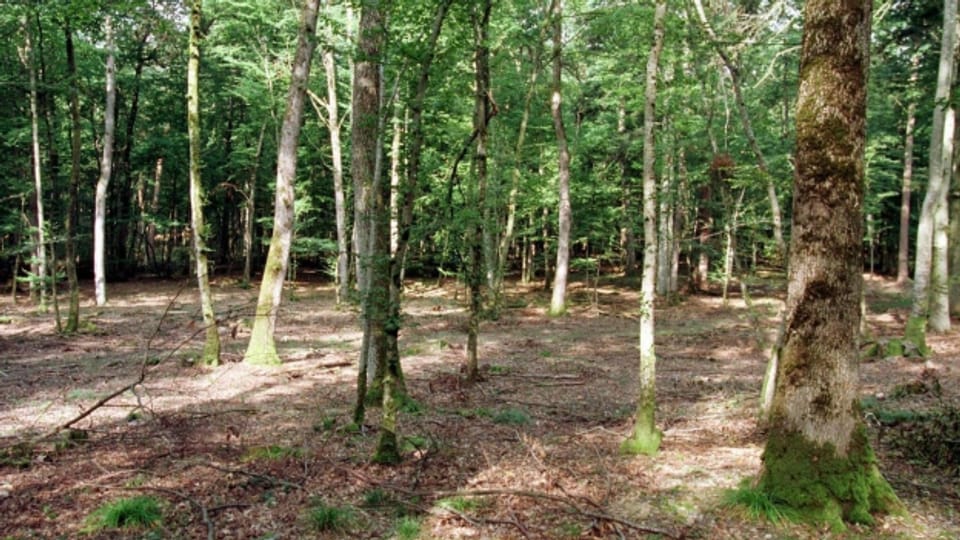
[[408, 528], [133, 512], [512, 416], [324, 518], [757, 503]]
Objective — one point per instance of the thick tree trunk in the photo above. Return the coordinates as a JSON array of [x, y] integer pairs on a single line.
[[40, 246], [211, 344], [645, 438], [106, 170], [818, 458], [930, 296], [262, 349], [73, 191], [364, 162], [558, 300]]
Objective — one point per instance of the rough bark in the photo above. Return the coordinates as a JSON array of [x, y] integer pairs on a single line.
[[645, 437], [211, 345], [558, 299], [106, 170], [817, 458], [70, 262], [929, 285]]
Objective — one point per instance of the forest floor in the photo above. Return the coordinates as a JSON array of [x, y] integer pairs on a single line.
[[530, 452]]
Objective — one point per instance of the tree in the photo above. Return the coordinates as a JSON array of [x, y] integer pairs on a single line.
[[73, 191], [106, 169], [930, 291], [558, 303], [906, 188], [211, 344], [262, 349], [645, 437], [817, 458]]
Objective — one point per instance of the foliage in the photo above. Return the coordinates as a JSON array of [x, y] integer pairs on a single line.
[[757, 504], [407, 528], [134, 512], [325, 518]]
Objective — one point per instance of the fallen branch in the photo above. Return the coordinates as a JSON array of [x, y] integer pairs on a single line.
[[266, 477]]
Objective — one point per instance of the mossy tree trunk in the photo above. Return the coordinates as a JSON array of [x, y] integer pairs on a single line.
[[364, 167], [262, 349], [645, 438], [211, 345], [817, 458], [73, 191], [106, 170], [558, 299], [930, 296]]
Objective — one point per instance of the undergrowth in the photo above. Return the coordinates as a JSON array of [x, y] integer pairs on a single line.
[[133, 512]]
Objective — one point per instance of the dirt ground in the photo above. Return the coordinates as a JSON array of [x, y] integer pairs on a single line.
[[531, 452]]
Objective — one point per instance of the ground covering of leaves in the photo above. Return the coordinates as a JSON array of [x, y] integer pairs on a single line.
[[530, 452]]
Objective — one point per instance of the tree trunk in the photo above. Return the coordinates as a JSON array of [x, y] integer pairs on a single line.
[[106, 169], [645, 438], [666, 226], [73, 191], [211, 345], [262, 349], [734, 71], [930, 296], [903, 252], [818, 459], [364, 135], [250, 206], [41, 241], [558, 300], [336, 155]]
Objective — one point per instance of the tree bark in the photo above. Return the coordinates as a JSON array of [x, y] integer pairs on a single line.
[[250, 206], [41, 242], [262, 349], [558, 300], [106, 170], [903, 251], [645, 438], [211, 345], [818, 459], [930, 296], [73, 191]]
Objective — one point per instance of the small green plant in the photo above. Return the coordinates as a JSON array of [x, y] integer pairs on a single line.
[[271, 453], [19, 455], [322, 517], [512, 416], [756, 503], [326, 423], [133, 512], [498, 370], [407, 528], [479, 412], [569, 529], [412, 443], [410, 405], [459, 504], [375, 497]]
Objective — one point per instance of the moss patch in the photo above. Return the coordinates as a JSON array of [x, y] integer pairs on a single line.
[[916, 333], [823, 487]]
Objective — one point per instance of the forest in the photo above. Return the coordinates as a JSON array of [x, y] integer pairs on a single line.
[[479, 269]]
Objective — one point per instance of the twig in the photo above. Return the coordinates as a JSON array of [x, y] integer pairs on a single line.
[[272, 479], [545, 376]]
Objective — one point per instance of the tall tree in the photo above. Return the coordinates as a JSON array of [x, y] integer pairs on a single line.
[[211, 344], [73, 190], [106, 169], [818, 459], [906, 186], [558, 302], [645, 438], [262, 349], [930, 291]]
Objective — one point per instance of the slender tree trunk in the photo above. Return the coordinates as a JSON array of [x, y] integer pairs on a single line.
[[262, 349], [558, 300], [666, 222], [645, 438], [41, 241], [818, 458], [628, 240], [250, 206], [903, 253], [930, 296], [106, 169], [73, 191], [211, 345], [734, 71]]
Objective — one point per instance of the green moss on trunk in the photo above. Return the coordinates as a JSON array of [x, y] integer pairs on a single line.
[[916, 333], [211, 347], [261, 350], [823, 487]]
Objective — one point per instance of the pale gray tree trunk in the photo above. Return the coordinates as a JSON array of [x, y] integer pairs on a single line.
[[250, 207], [211, 347], [558, 300], [73, 191], [262, 348], [930, 296], [106, 170], [906, 189], [645, 437], [41, 240]]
